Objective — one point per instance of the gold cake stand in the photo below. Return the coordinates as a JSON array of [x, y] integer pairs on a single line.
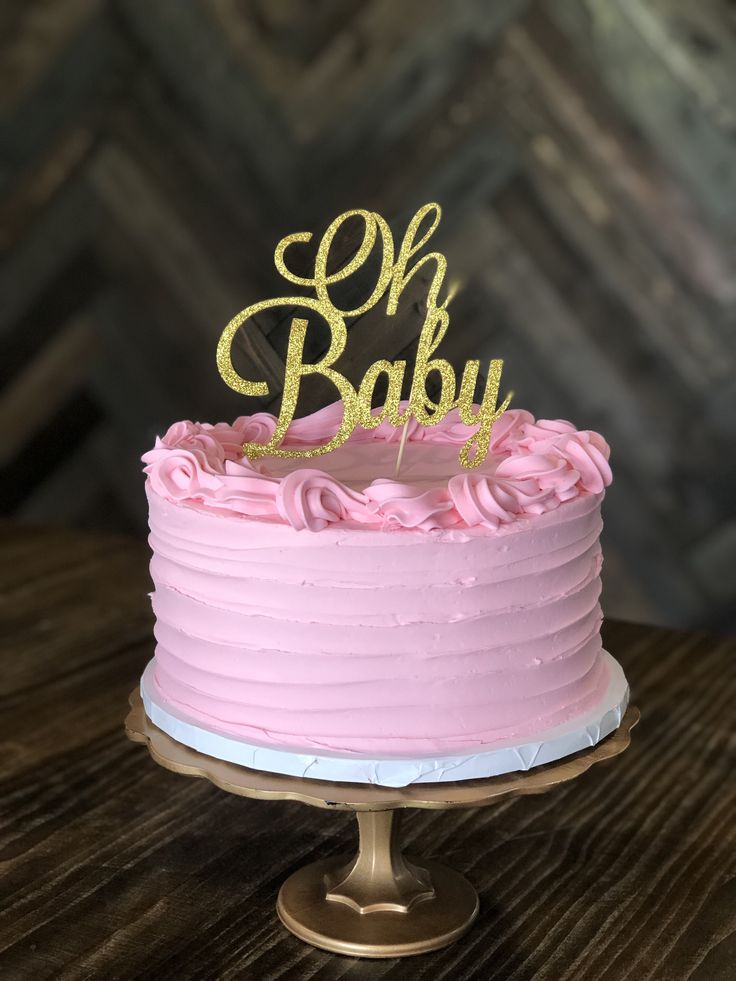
[[379, 903]]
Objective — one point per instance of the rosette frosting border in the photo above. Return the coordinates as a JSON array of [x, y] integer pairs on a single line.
[[533, 467]]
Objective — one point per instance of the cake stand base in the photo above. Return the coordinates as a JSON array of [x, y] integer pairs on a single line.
[[380, 903]]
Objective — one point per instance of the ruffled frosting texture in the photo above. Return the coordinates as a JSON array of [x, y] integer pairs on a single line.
[[532, 468], [356, 640]]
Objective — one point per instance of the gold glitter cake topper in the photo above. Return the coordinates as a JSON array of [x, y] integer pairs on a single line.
[[393, 276]]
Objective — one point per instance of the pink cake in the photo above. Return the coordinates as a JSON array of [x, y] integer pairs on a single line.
[[333, 612]]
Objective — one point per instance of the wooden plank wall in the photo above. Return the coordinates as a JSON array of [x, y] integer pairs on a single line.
[[584, 152]]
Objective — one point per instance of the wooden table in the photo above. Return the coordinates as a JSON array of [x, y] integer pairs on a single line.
[[115, 868]]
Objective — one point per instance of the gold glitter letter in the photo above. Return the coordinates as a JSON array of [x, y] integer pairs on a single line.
[[295, 371], [321, 282], [487, 412], [420, 405], [373, 222], [409, 248], [395, 372]]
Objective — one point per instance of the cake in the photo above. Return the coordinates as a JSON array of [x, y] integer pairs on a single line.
[[337, 621]]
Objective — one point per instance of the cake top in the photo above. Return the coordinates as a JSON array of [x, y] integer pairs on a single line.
[[532, 467]]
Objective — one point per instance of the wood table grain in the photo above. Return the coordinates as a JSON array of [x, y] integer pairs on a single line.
[[115, 868]]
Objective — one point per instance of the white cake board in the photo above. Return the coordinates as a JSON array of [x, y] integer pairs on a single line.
[[505, 756]]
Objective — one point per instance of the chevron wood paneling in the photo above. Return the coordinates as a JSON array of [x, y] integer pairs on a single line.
[[151, 155]]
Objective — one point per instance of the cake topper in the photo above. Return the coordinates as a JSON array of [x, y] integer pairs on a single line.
[[394, 274]]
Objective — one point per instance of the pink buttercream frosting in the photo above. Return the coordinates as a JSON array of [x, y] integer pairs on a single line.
[[532, 468], [336, 606], [361, 640]]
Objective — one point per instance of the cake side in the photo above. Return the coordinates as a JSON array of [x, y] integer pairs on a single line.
[[370, 641]]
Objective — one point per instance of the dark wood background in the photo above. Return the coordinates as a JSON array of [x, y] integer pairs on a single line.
[[584, 152]]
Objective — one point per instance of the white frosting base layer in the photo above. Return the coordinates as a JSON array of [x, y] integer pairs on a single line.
[[504, 757]]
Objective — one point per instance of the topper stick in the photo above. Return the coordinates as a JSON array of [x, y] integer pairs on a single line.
[[402, 444]]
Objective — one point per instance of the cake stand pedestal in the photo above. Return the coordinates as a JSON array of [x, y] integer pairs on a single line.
[[379, 903]]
